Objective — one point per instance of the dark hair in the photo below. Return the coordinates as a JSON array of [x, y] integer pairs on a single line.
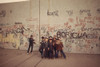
[[31, 36], [42, 37], [50, 37], [50, 40], [57, 39]]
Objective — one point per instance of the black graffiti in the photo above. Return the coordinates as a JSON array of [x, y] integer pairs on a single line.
[[18, 22], [97, 45], [98, 10], [3, 13], [90, 29], [15, 31], [10, 11], [54, 13], [4, 24], [0, 28], [69, 12], [88, 12], [99, 38], [75, 35]]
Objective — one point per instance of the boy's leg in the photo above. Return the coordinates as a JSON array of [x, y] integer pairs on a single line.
[[49, 53], [52, 54], [57, 53], [46, 53], [63, 53], [28, 49], [42, 53], [31, 48]]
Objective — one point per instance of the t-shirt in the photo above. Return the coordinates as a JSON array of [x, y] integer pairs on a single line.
[[31, 41]]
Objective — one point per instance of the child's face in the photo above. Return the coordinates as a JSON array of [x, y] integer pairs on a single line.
[[58, 41], [54, 38], [46, 40], [50, 41]]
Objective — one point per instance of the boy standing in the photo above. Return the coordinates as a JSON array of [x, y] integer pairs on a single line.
[[42, 47], [60, 48], [50, 46], [31, 44]]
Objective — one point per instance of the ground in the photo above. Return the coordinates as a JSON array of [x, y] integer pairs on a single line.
[[19, 58]]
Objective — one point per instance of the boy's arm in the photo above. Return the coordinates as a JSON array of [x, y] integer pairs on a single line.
[[34, 41], [61, 44]]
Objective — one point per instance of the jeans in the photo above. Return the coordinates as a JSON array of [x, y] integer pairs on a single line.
[[50, 53], [61, 53], [55, 52], [30, 46], [42, 53]]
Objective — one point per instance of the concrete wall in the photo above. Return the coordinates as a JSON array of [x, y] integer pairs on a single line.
[[17, 22], [77, 22]]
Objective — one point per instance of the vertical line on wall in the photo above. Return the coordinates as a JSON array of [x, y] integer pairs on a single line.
[[30, 9], [48, 10], [48, 4], [39, 22]]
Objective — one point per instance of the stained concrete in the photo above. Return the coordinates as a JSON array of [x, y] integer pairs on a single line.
[[18, 58]]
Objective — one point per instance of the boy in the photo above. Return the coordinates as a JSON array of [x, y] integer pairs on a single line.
[[54, 46], [50, 48], [46, 47], [42, 47], [31, 44], [60, 48]]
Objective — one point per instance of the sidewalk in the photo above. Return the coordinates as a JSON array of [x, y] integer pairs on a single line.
[[18, 58]]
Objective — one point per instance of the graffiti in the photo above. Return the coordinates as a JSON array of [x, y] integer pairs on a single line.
[[79, 33], [3, 13], [43, 29], [90, 20], [31, 19], [75, 35], [71, 20], [16, 35], [54, 13], [10, 11], [90, 29], [0, 28], [69, 47], [85, 11], [98, 45], [10, 39], [18, 22], [98, 10], [15, 29], [69, 12], [4, 24]]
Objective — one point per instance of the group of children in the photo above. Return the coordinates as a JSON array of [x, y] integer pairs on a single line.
[[50, 47]]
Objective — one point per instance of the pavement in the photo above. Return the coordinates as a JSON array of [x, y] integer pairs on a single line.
[[20, 58]]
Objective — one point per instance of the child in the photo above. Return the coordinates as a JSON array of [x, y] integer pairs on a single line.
[[42, 47], [46, 47], [50, 50], [54, 46], [60, 48], [31, 44]]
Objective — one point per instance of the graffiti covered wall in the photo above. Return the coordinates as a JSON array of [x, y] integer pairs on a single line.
[[17, 23], [76, 22]]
